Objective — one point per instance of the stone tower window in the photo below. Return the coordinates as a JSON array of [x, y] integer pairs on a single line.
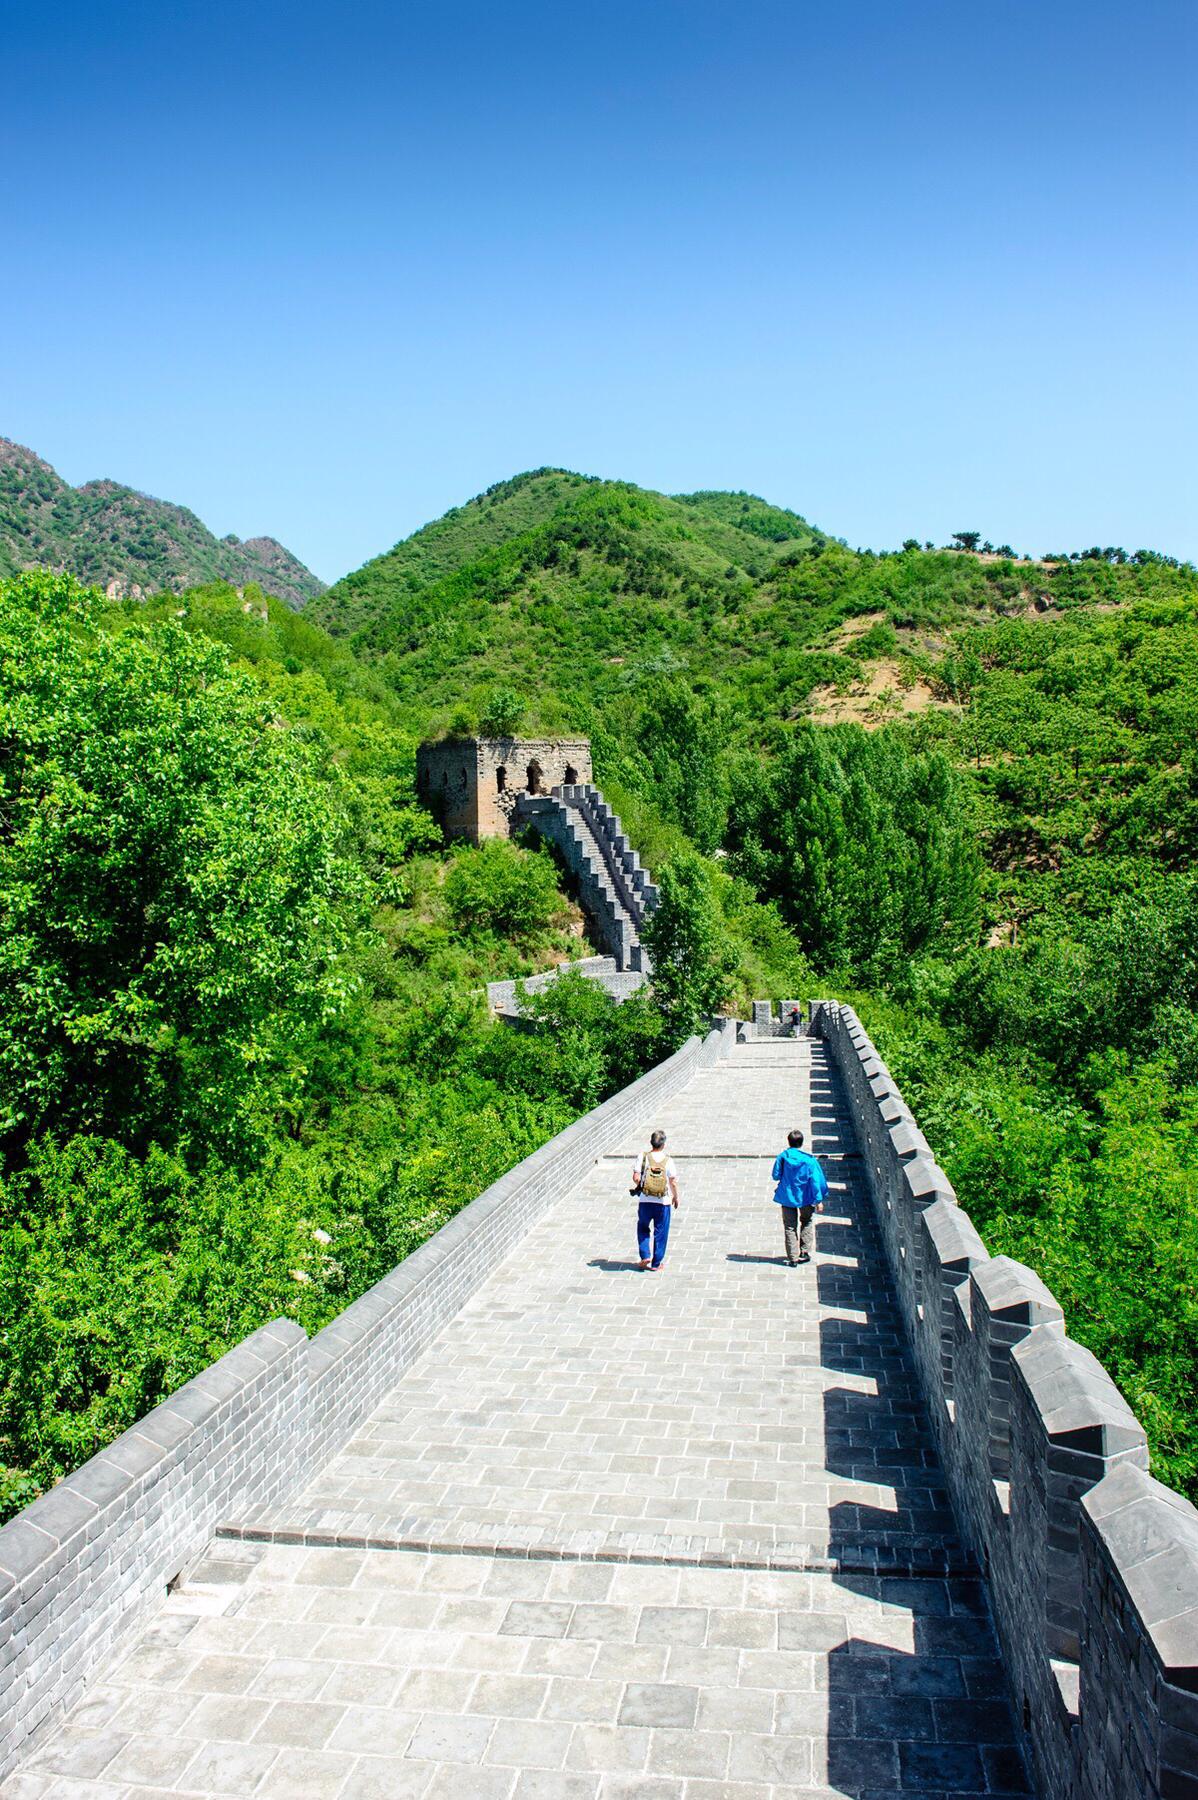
[[534, 777], [571, 775], [501, 778]]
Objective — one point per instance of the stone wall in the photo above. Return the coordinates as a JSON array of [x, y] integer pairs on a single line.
[[765, 1024], [447, 782], [632, 881], [503, 997], [593, 848], [82, 1566], [1092, 1565]]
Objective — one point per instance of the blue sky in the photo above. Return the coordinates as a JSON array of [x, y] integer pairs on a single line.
[[324, 272]]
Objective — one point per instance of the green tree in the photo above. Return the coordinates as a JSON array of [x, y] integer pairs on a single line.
[[171, 881], [502, 714], [693, 962], [867, 846], [501, 888], [683, 736]]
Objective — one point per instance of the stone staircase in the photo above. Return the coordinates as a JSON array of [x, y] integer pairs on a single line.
[[615, 889]]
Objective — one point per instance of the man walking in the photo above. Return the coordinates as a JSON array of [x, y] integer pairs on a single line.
[[655, 1181], [801, 1192]]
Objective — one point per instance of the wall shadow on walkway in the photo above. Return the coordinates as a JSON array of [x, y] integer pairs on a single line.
[[924, 1721], [920, 1708]]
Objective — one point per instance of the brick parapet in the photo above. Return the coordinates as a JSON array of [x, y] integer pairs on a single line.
[[1139, 1647], [82, 1566], [1092, 1565]]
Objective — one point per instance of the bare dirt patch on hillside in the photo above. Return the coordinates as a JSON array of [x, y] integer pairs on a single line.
[[884, 691], [855, 628]]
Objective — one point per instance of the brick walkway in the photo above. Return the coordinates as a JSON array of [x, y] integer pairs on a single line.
[[761, 1595]]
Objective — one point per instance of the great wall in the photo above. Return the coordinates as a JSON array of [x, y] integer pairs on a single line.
[[523, 1522]]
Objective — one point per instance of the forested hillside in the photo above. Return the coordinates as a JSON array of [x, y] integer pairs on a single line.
[[967, 781], [244, 1062], [126, 541], [489, 576]]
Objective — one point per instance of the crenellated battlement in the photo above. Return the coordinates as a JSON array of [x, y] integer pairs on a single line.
[[1092, 1564]]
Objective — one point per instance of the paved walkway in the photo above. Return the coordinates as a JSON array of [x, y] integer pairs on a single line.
[[675, 1536]]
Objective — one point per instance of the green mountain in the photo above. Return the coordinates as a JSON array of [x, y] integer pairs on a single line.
[[125, 542], [243, 1063], [556, 535], [581, 596], [966, 781]]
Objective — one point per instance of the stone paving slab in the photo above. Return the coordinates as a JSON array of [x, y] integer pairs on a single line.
[[726, 1407], [617, 1442], [333, 1673]]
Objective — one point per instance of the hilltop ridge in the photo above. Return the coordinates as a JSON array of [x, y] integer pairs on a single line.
[[127, 542], [552, 518]]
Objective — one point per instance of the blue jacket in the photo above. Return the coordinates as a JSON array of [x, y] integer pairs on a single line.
[[800, 1179]]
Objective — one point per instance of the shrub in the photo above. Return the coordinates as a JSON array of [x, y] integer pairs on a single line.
[[502, 889]]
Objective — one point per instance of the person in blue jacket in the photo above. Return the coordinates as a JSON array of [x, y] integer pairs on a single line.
[[801, 1192]]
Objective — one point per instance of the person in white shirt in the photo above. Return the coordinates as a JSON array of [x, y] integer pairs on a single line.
[[655, 1183]]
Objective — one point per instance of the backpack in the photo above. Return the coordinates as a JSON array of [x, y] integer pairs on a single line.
[[654, 1181]]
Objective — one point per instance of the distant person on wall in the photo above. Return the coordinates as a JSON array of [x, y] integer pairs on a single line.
[[801, 1191], [795, 1022], [655, 1183]]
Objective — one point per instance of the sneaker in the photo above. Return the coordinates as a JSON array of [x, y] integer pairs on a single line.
[[804, 1256], [644, 1265]]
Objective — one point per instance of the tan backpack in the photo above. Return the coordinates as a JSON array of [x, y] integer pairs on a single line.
[[654, 1181]]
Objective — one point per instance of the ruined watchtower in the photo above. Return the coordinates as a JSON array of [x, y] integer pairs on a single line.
[[472, 784]]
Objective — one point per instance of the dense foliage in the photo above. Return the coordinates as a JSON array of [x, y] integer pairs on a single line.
[[960, 787], [1002, 853], [868, 845], [244, 1063], [174, 894]]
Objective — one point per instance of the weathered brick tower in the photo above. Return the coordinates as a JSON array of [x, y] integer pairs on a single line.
[[472, 784]]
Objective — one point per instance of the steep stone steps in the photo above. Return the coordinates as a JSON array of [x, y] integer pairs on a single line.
[[614, 888]]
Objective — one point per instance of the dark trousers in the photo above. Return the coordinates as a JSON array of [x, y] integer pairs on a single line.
[[653, 1216], [798, 1231]]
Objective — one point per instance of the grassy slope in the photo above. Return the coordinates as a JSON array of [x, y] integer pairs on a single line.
[[581, 594], [444, 546], [550, 530]]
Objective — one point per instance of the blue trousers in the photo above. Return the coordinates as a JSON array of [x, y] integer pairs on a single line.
[[653, 1215]]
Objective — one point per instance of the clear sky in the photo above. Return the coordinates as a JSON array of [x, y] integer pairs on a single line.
[[324, 271]]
